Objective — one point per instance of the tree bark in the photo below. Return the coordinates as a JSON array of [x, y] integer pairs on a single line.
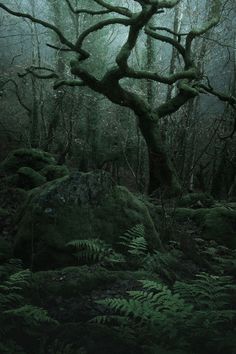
[[162, 176]]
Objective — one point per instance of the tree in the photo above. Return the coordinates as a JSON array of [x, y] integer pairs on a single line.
[[188, 81]]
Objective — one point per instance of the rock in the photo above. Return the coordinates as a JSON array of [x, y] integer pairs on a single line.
[[3, 213], [220, 225], [29, 178], [70, 296], [196, 200], [217, 224], [33, 158], [80, 206], [52, 172]]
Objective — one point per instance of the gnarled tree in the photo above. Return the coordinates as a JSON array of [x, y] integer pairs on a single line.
[[189, 81]]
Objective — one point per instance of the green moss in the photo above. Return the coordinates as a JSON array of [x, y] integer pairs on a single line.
[[83, 206], [52, 172], [73, 281], [5, 250], [29, 178], [220, 225], [33, 158], [3, 213], [199, 215], [217, 224], [183, 214], [191, 200]]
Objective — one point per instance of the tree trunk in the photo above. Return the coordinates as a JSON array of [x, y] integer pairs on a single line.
[[162, 176]]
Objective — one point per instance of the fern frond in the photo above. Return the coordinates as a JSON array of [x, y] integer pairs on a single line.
[[92, 250], [31, 315], [207, 291], [134, 241]]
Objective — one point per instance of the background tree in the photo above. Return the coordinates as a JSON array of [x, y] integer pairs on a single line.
[[183, 79]]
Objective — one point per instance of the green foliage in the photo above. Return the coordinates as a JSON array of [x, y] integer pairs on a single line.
[[34, 158], [207, 291], [29, 178], [94, 251], [134, 243], [59, 347], [52, 172], [191, 317], [165, 264], [18, 317], [196, 200]]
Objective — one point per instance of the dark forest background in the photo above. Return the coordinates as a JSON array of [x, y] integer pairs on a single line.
[[117, 177]]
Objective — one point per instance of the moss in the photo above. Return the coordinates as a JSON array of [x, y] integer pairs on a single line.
[[52, 172], [5, 250], [183, 214], [217, 224], [34, 158], [73, 281], [199, 215], [81, 206], [220, 225], [3, 213], [232, 205], [191, 200], [29, 178]]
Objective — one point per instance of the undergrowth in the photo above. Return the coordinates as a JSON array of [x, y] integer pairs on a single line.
[[195, 314]]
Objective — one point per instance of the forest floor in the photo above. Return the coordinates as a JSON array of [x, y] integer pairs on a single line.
[[133, 299]]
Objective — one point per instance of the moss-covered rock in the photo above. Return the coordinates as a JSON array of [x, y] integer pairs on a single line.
[[3, 213], [52, 172], [218, 224], [70, 296], [5, 250], [29, 178], [34, 158], [80, 206], [196, 200]]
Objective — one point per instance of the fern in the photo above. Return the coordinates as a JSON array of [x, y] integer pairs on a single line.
[[30, 315], [164, 264], [134, 241], [191, 317], [94, 251], [207, 291], [16, 314]]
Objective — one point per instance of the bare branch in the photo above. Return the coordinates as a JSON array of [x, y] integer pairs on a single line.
[[86, 11], [98, 26], [62, 38], [17, 94], [71, 83], [120, 10]]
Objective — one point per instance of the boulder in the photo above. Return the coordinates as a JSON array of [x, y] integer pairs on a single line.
[[52, 172], [30, 168], [218, 223], [79, 206], [29, 178], [196, 200], [33, 158]]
